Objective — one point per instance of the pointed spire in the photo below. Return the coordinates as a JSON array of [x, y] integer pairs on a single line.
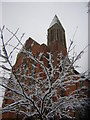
[[54, 21]]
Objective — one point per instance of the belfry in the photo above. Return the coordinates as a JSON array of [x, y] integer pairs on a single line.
[[56, 37]]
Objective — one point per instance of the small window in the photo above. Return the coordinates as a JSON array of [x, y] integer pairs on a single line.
[[76, 86], [57, 35], [81, 83], [23, 79], [61, 36], [60, 69], [52, 35], [62, 92]]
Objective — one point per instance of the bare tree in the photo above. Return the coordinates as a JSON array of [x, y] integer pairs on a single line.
[[39, 88]]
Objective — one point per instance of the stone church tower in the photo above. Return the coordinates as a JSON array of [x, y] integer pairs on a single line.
[[56, 37]]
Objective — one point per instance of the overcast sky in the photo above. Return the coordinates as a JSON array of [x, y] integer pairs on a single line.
[[34, 19]]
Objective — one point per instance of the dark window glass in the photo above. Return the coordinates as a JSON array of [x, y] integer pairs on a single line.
[[62, 92], [57, 35], [61, 36], [52, 35], [81, 83], [76, 86]]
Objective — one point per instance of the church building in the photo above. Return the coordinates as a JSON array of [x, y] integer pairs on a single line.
[[56, 45]]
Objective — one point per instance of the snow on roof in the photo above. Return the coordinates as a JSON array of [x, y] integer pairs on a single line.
[[54, 21]]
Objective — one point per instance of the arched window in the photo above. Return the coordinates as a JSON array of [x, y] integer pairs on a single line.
[[52, 35], [57, 35], [61, 36]]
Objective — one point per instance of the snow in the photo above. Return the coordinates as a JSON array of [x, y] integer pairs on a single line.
[[40, 55], [32, 44], [54, 21], [39, 95]]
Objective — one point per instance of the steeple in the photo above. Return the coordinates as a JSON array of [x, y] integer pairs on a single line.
[[56, 36], [55, 21]]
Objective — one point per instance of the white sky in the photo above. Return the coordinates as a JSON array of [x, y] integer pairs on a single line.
[[34, 18]]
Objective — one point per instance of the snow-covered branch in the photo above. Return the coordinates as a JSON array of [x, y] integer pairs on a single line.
[[39, 87]]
